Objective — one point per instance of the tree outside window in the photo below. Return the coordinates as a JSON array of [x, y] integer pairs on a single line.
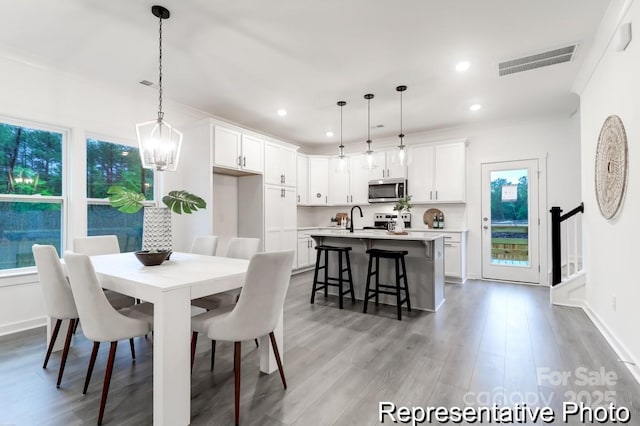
[[108, 164], [31, 182]]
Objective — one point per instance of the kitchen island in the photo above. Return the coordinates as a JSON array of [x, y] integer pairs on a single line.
[[425, 262]]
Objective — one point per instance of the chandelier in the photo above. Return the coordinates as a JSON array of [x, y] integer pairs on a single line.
[[158, 140]]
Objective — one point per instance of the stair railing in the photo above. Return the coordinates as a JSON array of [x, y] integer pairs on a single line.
[[573, 248]]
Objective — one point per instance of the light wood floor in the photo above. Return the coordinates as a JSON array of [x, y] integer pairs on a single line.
[[488, 339]]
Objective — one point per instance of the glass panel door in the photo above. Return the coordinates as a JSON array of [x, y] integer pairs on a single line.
[[510, 221]]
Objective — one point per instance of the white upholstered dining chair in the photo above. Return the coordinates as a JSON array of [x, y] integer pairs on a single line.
[[238, 248], [95, 246], [257, 312], [205, 244], [100, 321], [58, 299]]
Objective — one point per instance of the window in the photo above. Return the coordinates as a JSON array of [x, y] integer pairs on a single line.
[[31, 191], [114, 164]]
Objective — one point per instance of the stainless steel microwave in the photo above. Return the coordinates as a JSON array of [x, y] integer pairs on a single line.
[[387, 190]]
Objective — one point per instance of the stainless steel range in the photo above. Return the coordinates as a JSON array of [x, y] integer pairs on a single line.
[[382, 220]]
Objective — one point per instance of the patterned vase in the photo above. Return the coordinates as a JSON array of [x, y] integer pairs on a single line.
[[156, 231]]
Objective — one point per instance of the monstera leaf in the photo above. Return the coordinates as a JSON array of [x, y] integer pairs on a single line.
[[183, 202], [125, 200]]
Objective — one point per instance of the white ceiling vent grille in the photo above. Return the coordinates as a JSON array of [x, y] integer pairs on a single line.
[[539, 60]]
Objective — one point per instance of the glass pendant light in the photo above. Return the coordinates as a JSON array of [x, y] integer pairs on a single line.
[[159, 141], [371, 159], [401, 155], [342, 159]]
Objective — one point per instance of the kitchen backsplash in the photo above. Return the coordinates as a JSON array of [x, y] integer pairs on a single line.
[[454, 214]]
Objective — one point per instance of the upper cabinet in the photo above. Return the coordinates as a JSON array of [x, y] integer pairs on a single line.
[[302, 178], [236, 151], [387, 166], [280, 165], [339, 191], [359, 177], [318, 181], [437, 173]]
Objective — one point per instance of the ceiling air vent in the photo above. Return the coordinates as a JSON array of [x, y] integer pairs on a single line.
[[539, 60]]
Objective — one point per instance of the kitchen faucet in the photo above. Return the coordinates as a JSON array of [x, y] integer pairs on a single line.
[[351, 225]]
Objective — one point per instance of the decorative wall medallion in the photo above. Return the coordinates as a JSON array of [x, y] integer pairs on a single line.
[[611, 166]]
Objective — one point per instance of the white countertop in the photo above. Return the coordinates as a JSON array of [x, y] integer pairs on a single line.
[[376, 235], [445, 230]]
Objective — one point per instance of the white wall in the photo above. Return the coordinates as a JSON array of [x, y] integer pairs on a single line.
[[557, 141], [610, 244], [34, 92]]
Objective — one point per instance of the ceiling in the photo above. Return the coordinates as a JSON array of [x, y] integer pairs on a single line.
[[242, 60]]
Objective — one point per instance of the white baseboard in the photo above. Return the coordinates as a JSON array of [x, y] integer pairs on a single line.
[[619, 348], [16, 327]]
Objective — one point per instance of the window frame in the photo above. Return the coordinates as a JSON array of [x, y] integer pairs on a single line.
[[62, 199], [105, 201]]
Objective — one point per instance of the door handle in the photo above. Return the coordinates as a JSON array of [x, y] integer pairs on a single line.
[[298, 197], [240, 160], [436, 194], [352, 198], [284, 178], [244, 161], [347, 198], [326, 201], [431, 195]]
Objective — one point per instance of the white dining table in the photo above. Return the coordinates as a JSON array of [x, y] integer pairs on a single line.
[[170, 287]]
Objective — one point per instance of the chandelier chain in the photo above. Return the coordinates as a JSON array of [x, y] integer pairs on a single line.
[[160, 113]]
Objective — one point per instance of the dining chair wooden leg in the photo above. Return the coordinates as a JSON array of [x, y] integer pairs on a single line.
[[194, 341], [133, 350], [92, 362], [213, 353], [52, 341], [75, 328], [236, 367], [107, 380], [277, 355], [65, 350]]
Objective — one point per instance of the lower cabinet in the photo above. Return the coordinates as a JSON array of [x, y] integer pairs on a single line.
[[455, 257], [280, 231], [306, 250]]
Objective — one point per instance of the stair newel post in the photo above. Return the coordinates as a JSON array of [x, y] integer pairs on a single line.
[[556, 248]]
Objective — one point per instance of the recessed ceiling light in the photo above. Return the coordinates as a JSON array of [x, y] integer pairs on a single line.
[[282, 112], [475, 107], [329, 134], [463, 66]]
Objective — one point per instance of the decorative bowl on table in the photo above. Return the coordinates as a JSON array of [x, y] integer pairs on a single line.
[[152, 257]]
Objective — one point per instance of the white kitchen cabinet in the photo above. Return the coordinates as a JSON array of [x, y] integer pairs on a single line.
[[236, 151], [387, 166], [359, 177], [420, 176], [280, 218], [339, 191], [280, 165], [302, 180], [318, 181], [437, 173], [306, 250], [455, 256], [450, 172], [252, 153]]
